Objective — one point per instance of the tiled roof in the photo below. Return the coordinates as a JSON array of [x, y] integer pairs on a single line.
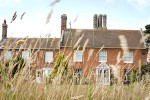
[[33, 43], [107, 38]]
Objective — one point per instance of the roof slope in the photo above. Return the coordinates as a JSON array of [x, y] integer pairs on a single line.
[[107, 38], [33, 43]]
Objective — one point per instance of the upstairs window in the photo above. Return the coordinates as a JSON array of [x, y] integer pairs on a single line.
[[7, 55], [25, 55], [48, 56], [128, 57], [78, 55], [103, 56]]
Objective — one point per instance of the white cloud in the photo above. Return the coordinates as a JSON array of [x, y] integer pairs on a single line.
[[140, 4], [5, 2], [33, 27]]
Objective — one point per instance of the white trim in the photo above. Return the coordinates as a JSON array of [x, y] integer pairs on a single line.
[[101, 70]]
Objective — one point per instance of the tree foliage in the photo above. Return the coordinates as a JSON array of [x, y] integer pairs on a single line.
[[147, 27], [17, 64], [60, 67]]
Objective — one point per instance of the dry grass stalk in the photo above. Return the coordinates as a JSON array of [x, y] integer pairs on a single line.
[[123, 43], [78, 42], [49, 16]]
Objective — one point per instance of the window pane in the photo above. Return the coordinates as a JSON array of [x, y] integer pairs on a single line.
[[7, 55], [48, 56], [103, 56], [25, 55], [128, 57], [78, 55], [47, 71]]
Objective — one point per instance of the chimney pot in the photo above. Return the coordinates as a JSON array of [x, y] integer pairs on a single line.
[[105, 21], [63, 22], [4, 30], [95, 21], [100, 21]]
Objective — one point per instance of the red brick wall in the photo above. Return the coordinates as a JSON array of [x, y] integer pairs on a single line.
[[38, 59], [91, 61]]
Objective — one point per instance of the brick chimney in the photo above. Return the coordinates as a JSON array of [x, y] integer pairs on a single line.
[[95, 21], [100, 21], [63, 22], [4, 30], [104, 21]]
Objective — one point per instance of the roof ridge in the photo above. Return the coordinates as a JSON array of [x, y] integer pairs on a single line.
[[106, 29]]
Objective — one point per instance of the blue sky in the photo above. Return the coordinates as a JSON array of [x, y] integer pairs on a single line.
[[121, 14]]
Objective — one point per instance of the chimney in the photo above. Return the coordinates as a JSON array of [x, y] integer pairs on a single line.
[[95, 21], [100, 21], [104, 21], [63, 23], [4, 30]]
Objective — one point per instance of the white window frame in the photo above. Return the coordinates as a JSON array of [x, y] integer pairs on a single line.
[[77, 57], [47, 71], [48, 56], [26, 55], [128, 55], [103, 56], [7, 55]]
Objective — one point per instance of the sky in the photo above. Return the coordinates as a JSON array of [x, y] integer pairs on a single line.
[[43, 17]]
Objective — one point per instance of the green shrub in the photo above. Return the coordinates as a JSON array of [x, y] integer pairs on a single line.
[[60, 68]]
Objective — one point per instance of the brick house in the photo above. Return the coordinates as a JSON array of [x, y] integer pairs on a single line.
[[97, 50], [39, 52], [101, 49]]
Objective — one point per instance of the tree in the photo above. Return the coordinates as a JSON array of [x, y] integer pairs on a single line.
[[147, 27]]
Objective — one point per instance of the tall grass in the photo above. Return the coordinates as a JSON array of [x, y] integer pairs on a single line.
[[22, 86]]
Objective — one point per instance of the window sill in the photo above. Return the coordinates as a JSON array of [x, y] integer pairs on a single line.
[[103, 61], [128, 62], [77, 61], [48, 61]]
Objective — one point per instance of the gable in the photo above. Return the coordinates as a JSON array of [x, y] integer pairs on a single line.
[[103, 66]]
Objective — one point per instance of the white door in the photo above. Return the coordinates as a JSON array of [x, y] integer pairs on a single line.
[[106, 76], [103, 74], [38, 76]]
